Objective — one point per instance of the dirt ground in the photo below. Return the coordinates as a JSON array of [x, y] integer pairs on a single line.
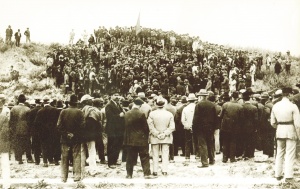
[[253, 173]]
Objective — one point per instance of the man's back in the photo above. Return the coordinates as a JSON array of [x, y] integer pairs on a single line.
[[231, 115], [70, 120], [205, 116]]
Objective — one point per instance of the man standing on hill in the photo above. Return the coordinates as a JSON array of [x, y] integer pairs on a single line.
[[27, 34], [18, 36], [9, 33], [72, 35], [288, 62]]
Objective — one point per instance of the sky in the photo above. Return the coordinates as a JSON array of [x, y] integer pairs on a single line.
[[266, 24]]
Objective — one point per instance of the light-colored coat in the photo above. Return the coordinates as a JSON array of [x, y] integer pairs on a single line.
[[285, 111], [161, 121]]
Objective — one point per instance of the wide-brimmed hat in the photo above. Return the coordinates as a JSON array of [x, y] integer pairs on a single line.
[[192, 97], [160, 102], [21, 98], [264, 95], [138, 101], [278, 93], [202, 92], [73, 99], [86, 97]]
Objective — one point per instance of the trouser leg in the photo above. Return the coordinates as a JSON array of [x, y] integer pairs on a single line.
[[92, 155], [145, 161], [64, 161], [131, 159], [165, 157], [155, 154], [290, 158], [203, 149], [281, 146], [77, 169], [188, 143]]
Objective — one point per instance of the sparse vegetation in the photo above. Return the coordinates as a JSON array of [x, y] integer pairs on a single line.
[[3, 47]]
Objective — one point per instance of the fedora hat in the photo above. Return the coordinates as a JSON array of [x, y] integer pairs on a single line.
[[192, 97], [160, 102], [264, 95], [203, 92], [73, 99]]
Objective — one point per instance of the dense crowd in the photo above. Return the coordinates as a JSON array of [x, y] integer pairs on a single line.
[[171, 91], [154, 61]]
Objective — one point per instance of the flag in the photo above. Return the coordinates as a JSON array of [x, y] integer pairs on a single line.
[[138, 26]]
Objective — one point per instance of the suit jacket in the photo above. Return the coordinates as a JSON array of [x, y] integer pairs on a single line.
[[18, 120], [205, 117], [31, 118], [45, 121], [249, 123], [231, 117], [114, 123], [136, 128], [161, 121], [71, 120]]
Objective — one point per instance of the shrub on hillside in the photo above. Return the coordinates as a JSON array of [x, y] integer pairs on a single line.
[[37, 60], [37, 73], [54, 45], [29, 48], [3, 47]]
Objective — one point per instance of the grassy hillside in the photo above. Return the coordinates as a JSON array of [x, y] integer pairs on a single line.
[[29, 60]]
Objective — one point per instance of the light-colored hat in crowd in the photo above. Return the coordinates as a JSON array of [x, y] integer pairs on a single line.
[[160, 102], [192, 97], [2, 96], [264, 95], [86, 97], [203, 92], [278, 93]]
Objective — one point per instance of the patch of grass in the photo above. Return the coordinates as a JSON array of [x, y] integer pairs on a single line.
[[37, 60], [41, 184], [3, 47]]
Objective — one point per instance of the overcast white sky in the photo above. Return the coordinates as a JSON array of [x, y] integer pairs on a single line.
[[270, 24]]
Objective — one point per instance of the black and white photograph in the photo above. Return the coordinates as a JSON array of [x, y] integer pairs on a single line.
[[160, 94]]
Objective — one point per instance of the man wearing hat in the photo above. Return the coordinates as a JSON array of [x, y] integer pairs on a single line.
[[204, 126], [114, 129], [70, 125], [20, 130], [4, 141], [45, 122], [99, 104], [36, 143], [179, 139], [187, 122], [145, 108], [231, 118], [285, 118], [248, 125], [267, 131], [161, 125], [136, 139], [92, 130]]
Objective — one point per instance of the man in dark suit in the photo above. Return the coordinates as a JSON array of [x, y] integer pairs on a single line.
[[20, 130], [204, 125], [45, 122], [231, 116], [249, 126], [114, 129], [136, 139], [36, 143]]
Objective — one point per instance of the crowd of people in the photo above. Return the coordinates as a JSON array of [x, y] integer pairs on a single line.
[[154, 94], [154, 61], [9, 34]]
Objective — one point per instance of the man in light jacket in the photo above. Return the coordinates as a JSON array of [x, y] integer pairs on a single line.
[[161, 125]]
